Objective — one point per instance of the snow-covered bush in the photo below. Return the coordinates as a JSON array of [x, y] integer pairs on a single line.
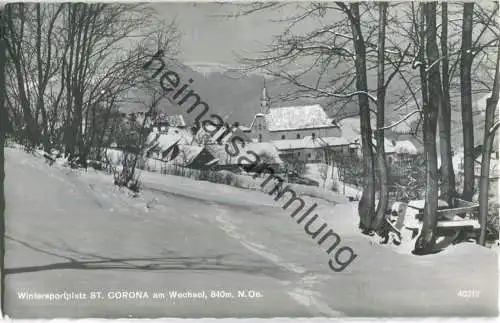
[[323, 172], [135, 184], [295, 166], [334, 186], [126, 177]]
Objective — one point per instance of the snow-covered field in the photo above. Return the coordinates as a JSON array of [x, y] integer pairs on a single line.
[[73, 231]]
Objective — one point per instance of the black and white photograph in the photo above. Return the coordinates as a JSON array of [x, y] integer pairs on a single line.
[[249, 159]]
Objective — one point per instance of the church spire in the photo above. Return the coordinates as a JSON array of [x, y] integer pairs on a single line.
[[265, 100]]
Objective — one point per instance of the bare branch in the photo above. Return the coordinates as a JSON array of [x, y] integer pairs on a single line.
[[399, 121]]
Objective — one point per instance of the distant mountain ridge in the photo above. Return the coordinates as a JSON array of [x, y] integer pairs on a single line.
[[236, 97], [206, 68], [229, 94]]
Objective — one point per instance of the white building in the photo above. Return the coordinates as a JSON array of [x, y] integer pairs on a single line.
[[304, 132], [351, 131]]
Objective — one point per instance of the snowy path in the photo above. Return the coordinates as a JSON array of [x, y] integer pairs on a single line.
[[380, 281], [63, 237], [77, 233]]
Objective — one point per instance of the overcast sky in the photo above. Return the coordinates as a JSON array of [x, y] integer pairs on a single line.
[[208, 36]]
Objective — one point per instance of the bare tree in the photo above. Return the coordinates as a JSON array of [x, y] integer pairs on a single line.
[[431, 79], [71, 68], [380, 134], [336, 49], [366, 207], [93, 58], [490, 128], [14, 42], [136, 148], [447, 173], [466, 57]]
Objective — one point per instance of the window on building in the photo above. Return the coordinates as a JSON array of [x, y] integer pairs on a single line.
[[260, 138], [282, 136], [309, 155], [298, 136], [260, 127], [298, 153]]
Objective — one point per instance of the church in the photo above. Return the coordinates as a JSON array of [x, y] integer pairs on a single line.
[[304, 132]]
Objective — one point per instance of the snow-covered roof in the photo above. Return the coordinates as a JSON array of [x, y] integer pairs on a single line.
[[187, 153], [264, 148], [412, 147], [350, 128], [219, 152], [309, 143], [332, 141], [352, 133], [297, 117], [165, 140], [404, 127], [389, 148]]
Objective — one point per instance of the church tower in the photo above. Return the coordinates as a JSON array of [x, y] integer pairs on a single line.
[[265, 100]]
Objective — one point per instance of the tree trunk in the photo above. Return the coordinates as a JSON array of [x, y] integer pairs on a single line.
[[44, 63], [379, 135], [426, 241], [15, 45], [447, 172], [489, 136], [466, 97], [40, 104], [366, 203]]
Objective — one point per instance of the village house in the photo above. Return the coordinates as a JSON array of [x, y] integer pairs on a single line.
[[351, 131], [164, 121], [312, 150], [302, 132]]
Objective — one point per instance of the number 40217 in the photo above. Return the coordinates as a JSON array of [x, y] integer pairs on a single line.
[[468, 293]]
